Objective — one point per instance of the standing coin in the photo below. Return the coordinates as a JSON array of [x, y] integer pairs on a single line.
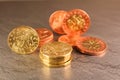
[[77, 21], [56, 21], [91, 46], [23, 40]]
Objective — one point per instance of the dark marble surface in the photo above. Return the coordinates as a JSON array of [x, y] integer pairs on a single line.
[[105, 24]]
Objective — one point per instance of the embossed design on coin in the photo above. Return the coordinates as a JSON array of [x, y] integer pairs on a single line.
[[23, 40], [56, 49], [56, 54], [91, 45], [76, 22]]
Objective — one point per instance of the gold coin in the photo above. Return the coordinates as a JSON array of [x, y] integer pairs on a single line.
[[57, 65], [23, 40], [55, 53]]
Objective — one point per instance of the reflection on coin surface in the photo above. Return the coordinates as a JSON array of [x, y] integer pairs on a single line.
[[91, 45], [56, 49], [45, 36], [23, 40], [44, 33], [77, 21], [55, 54], [56, 21]]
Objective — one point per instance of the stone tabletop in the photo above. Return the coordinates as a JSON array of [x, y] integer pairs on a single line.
[[105, 24]]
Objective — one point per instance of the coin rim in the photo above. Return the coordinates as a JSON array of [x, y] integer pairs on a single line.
[[71, 49], [57, 65], [90, 52], [57, 30], [22, 26], [72, 12]]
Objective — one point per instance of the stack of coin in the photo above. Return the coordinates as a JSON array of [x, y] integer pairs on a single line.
[[45, 36], [56, 54], [23, 40], [74, 23], [71, 39]]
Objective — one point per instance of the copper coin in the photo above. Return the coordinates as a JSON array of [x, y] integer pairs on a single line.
[[76, 21], [56, 21], [45, 35], [91, 46], [70, 39], [23, 40]]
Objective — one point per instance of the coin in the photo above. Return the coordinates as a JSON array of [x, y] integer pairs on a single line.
[[56, 21], [57, 65], [76, 21], [70, 39], [91, 46], [23, 40], [55, 54], [45, 36]]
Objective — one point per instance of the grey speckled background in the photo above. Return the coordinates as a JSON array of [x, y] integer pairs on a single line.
[[105, 17]]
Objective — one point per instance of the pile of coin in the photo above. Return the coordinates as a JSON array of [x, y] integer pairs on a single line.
[[25, 40], [45, 36], [73, 24]]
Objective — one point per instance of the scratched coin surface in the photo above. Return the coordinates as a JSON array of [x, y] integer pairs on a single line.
[[56, 49], [91, 45], [23, 40], [77, 21]]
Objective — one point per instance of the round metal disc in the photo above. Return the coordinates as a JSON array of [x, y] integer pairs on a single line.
[[76, 21], [56, 21], [23, 40], [91, 46]]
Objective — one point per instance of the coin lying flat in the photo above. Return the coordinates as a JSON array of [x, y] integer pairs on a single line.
[[45, 36], [76, 21], [23, 40], [55, 54], [70, 39], [56, 21], [91, 46]]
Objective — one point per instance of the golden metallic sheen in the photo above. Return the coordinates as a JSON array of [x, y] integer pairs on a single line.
[[76, 22], [23, 40], [56, 54]]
